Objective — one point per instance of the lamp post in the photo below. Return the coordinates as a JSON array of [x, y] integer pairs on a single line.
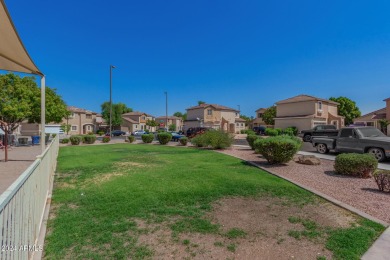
[[111, 67], [166, 110]]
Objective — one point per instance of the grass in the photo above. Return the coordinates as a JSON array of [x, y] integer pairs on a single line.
[[236, 233], [102, 191]]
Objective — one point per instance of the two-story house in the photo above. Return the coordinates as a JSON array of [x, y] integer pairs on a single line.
[[258, 121], [372, 118], [82, 121], [172, 120], [214, 116], [305, 112], [136, 120]]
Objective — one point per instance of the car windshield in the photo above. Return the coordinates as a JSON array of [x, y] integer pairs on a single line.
[[371, 132]]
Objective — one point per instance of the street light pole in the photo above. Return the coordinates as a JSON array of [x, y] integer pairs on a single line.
[[166, 110], [111, 67]]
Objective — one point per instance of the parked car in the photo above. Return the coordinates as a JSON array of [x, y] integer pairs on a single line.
[[193, 131], [116, 133], [356, 140], [139, 132], [176, 136], [260, 130], [319, 130]]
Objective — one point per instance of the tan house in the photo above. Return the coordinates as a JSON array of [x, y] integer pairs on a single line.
[[305, 112], [372, 119], [172, 120], [82, 121], [134, 121], [214, 116], [258, 121]]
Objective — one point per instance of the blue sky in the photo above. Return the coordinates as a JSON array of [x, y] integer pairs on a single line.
[[247, 53]]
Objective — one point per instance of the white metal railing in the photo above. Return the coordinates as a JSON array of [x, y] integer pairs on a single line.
[[23, 204]]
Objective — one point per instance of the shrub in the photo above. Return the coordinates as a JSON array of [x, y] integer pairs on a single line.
[[278, 130], [278, 149], [90, 133], [200, 141], [361, 165], [100, 132], [89, 139], [248, 132], [288, 131], [147, 131], [251, 139], [271, 132], [65, 141], [183, 141], [164, 137], [131, 138], [106, 139], [382, 178], [148, 138], [75, 140], [294, 129], [219, 139], [53, 135]]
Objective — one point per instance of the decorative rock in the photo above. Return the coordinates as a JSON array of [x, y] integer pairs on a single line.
[[307, 159]]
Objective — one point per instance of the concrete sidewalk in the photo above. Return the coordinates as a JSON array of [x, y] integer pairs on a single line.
[[19, 159]]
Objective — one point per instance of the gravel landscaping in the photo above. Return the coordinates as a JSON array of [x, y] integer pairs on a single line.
[[362, 194]]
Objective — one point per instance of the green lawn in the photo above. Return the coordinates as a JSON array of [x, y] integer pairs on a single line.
[[101, 190]]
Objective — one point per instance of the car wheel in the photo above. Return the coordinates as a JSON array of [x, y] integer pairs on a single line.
[[378, 153], [322, 148], [307, 138]]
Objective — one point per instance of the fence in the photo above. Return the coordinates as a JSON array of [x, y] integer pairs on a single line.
[[23, 204]]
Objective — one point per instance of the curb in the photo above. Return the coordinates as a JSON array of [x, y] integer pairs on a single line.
[[380, 249]]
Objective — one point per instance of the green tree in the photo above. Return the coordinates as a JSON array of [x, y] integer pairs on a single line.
[[269, 115], [200, 102], [151, 123], [179, 114], [118, 110], [65, 128], [172, 127], [21, 100], [347, 108], [383, 124]]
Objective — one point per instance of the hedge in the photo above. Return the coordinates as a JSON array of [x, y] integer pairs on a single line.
[[75, 139], [148, 138], [251, 139], [183, 141], [131, 138], [361, 165], [278, 149], [164, 137]]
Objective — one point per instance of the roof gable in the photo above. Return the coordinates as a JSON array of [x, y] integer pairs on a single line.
[[304, 98]]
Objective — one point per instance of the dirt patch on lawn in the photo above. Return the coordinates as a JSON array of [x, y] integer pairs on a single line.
[[249, 229]]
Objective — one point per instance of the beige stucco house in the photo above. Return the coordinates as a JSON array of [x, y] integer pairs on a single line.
[[172, 120], [372, 119], [305, 112], [258, 121], [136, 120], [214, 116], [81, 121]]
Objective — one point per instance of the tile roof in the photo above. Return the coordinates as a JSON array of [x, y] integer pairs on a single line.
[[136, 113], [218, 107], [130, 120], [239, 120], [302, 98], [261, 109], [169, 117], [80, 110], [377, 114]]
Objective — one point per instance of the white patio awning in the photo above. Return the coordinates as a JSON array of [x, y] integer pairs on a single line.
[[13, 54]]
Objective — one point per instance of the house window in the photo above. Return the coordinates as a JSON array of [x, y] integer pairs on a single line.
[[319, 105], [74, 127], [88, 116], [236, 114], [242, 124], [237, 124], [88, 128], [136, 126], [370, 123], [209, 112], [143, 118], [71, 115], [259, 115]]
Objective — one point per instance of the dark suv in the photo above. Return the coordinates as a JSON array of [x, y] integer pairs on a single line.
[[319, 130], [260, 130], [193, 131]]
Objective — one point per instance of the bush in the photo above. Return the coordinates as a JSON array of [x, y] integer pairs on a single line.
[[65, 141], [147, 131], [278, 130], [53, 135], [361, 165], [183, 141], [293, 129], [278, 149], [200, 141], [271, 132], [75, 139], [100, 132], [90, 133], [251, 139], [382, 178], [89, 139], [106, 139], [248, 132], [164, 137], [213, 138], [148, 138], [131, 138]]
